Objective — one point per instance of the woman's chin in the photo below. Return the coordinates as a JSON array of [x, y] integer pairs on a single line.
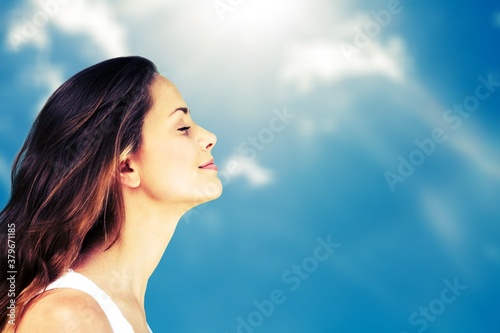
[[209, 192]]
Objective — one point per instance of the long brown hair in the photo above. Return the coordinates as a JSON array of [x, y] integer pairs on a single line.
[[66, 197]]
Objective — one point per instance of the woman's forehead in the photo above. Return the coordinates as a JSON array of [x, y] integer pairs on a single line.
[[165, 93]]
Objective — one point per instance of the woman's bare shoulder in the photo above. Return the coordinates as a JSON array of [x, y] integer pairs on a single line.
[[64, 310]]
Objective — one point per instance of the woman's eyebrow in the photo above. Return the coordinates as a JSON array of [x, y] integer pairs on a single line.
[[183, 109]]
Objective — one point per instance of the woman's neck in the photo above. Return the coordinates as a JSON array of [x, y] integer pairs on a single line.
[[123, 270]]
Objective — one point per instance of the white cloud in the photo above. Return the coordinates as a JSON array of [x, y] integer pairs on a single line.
[[30, 25], [98, 22], [255, 174], [261, 18], [46, 76], [310, 63], [35, 23], [343, 50], [136, 9], [23, 32]]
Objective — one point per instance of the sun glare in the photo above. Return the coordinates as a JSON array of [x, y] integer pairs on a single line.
[[259, 19]]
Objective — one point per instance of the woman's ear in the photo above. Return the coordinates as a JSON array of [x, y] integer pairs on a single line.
[[129, 175]]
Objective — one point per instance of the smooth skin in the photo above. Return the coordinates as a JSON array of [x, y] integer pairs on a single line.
[[160, 182]]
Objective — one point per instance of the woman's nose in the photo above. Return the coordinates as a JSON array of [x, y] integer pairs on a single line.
[[208, 140]]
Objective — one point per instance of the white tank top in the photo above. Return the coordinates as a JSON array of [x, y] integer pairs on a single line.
[[74, 280]]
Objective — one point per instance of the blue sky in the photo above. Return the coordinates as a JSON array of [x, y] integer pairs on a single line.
[[351, 118]]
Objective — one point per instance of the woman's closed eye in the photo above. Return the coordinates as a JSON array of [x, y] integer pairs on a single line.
[[184, 129]]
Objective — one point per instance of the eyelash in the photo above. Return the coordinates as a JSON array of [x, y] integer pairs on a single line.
[[184, 129]]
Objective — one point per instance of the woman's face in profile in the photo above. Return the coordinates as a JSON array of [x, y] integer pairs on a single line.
[[174, 160]]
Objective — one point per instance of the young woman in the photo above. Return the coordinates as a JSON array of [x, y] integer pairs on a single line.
[[109, 167]]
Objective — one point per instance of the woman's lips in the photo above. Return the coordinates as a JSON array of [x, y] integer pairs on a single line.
[[209, 165]]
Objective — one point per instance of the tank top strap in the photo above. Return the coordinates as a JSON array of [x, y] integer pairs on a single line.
[[74, 280]]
